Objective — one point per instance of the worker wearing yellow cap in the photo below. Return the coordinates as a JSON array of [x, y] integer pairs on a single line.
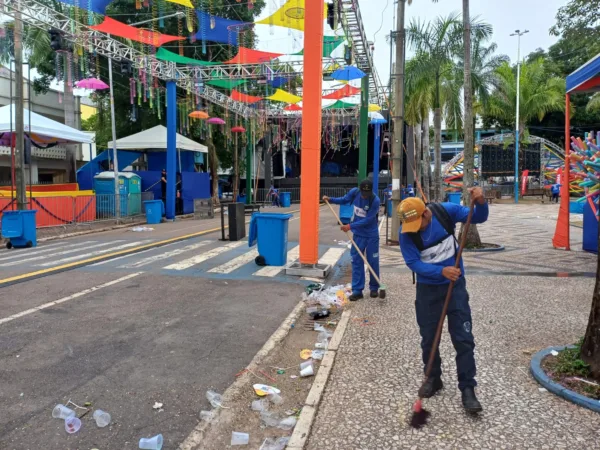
[[429, 249]]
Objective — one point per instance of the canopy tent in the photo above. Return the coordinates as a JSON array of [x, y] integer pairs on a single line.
[[155, 138], [44, 131], [586, 78]]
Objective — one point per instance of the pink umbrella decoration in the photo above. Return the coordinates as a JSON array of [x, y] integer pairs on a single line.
[[92, 83], [238, 129], [216, 121]]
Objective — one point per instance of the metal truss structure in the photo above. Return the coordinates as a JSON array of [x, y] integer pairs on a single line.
[[194, 78]]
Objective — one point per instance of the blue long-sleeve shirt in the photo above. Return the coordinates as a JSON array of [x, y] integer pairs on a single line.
[[428, 265], [364, 220]]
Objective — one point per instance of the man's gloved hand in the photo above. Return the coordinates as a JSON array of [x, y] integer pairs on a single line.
[[345, 228], [451, 273]]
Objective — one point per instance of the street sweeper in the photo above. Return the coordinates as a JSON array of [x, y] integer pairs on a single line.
[[365, 231], [429, 247]]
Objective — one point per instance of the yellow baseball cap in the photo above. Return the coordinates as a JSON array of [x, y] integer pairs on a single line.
[[410, 213]]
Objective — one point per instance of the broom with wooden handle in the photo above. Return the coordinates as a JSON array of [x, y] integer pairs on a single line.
[[382, 292], [420, 414]]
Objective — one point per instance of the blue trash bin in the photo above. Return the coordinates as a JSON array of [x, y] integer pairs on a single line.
[[154, 209], [590, 229], [272, 237], [20, 228], [454, 197], [286, 199], [346, 213]]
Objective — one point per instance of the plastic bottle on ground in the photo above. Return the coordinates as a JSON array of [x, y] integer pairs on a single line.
[[215, 400]]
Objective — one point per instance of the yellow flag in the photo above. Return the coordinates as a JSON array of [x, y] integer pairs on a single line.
[[290, 15], [186, 3], [282, 96]]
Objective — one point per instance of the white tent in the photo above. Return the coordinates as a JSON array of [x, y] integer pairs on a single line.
[[156, 139], [43, 130]]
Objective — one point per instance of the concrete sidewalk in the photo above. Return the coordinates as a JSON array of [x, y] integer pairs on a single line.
[[520, 304]]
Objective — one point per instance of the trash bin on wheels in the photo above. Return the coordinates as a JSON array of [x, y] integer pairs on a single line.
[[154, 211], [271, 232], [286, 199], [346, 213], [19, 227]]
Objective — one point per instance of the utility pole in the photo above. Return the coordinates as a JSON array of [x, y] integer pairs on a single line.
[[518, 33], [400, 36], [19, 116]]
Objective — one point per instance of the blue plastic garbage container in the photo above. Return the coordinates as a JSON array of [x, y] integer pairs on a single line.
[[154, 209], [272, 237], [20, 228], [454, 197], [286, 199], [346, 213], [590, 229]]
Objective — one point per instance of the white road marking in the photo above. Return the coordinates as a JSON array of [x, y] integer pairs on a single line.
[[92, 254], [130, 255], [19, 253], [66, 299], [187, 263], [67, 252], [271, 271], [165, 255], [236, 263]]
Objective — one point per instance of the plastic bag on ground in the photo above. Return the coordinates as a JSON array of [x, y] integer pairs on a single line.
[[270, 419], [328, 297], [260, 405], [287, 423], [207, 416], [275, 444], [215, 400]]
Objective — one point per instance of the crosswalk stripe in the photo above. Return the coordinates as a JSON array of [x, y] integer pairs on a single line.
[[154, 258], [19, 253], [271, 271], [130, 255], [67, 252], [92, 254], [235, 263], [187, 263]]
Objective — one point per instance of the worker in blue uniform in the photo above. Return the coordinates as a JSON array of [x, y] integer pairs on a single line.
[[364, 227]]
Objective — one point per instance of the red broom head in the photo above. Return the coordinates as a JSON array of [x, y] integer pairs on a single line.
[[418, 406], [419, 415]]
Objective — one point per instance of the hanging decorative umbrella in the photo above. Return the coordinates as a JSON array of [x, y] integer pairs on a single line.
[[92, 83], [348, 73], [373, 107], [295, 107], [216, 121], [198, 115]]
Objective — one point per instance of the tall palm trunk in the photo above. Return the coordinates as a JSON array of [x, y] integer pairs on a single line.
[[418, 153], [473, 238], [426, 159], [71, 149]]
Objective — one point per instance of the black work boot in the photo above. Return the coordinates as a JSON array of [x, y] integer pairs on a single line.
[[374, 294], [470, 402], [430, 387], [355, 296]]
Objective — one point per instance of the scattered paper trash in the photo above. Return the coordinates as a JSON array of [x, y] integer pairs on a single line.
[[260, 405], [306, 353], [153, 443], [554, 353], [327, 297], [62, 412], [287, 423], [141, 229], [72, 424], [157, 405], [207, 416], [239, 438], [276, 399], [215, 400], [274, 444], [102, 418], [262, 390]]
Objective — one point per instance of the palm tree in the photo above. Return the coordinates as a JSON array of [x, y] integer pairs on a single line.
[[540, 94]]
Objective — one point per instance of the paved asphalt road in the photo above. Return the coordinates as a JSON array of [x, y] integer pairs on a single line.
[[163, 325]]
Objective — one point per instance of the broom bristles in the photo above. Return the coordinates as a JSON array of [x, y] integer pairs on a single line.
[[419, 416]]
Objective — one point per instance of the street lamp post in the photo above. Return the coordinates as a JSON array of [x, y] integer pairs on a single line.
[[518, 33]]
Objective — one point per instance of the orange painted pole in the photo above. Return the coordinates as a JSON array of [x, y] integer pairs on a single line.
[[310, 182]]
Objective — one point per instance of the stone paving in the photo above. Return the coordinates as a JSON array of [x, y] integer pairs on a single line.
[[516, 312]]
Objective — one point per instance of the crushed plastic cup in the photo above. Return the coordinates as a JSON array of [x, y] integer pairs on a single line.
[[153, 443], [239, 438], [318, 327], [317, 354], [305, 364], [207, 416], [276, 399], [270, 419], [287, 423], [215, 400], [102, 418], [308, 371], [72, 424], [275, 444], [62, 412], [260, 405]]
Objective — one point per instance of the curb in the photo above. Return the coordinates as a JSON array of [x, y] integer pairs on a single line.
[[541, 377], [484, 250], [196, 436], [309, 410]]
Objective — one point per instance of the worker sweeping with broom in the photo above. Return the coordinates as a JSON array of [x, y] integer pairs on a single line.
[[429, 248], [364, 227]]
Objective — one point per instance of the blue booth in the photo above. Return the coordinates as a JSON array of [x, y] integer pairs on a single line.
[[130, 194], [271, 232], [19, 227]]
